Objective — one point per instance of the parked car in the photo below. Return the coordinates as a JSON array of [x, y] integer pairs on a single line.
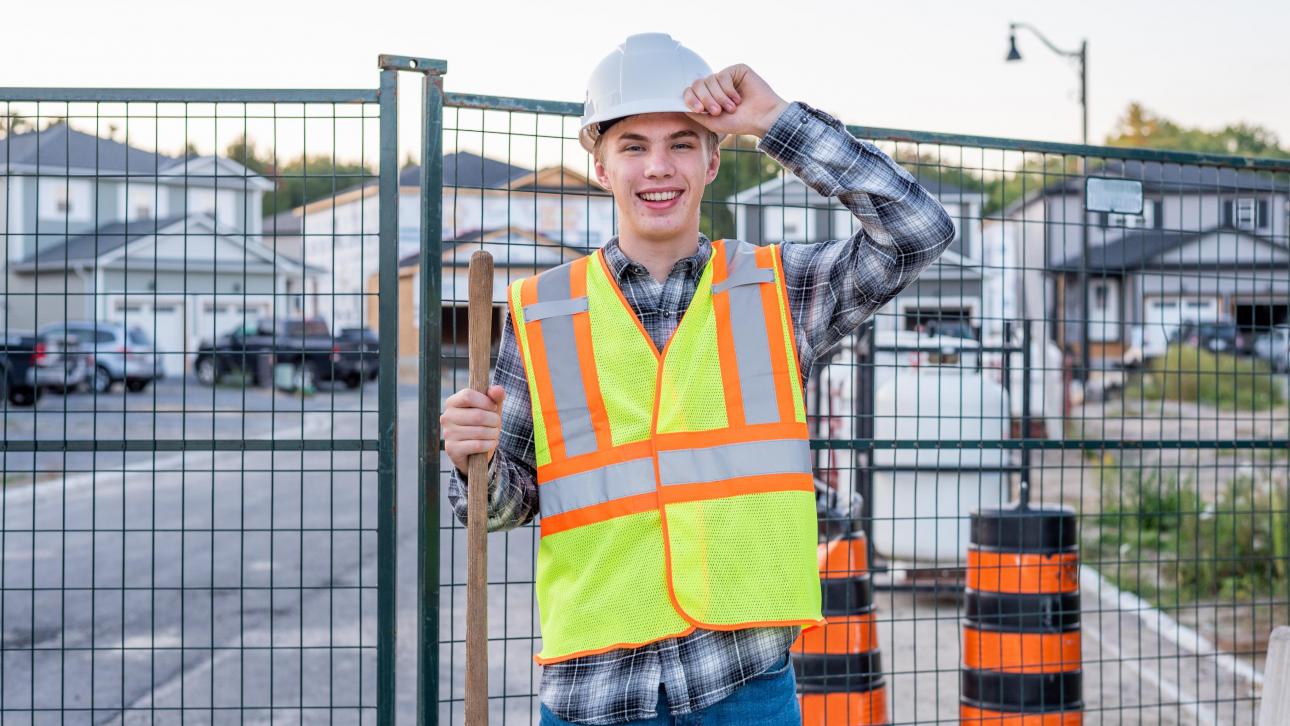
[[351, 357], [1274, 347], [121, 354], [1215, 336], [31, 363], [949, 328]]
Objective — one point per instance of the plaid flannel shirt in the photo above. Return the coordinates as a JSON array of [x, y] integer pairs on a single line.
[[833, 287]]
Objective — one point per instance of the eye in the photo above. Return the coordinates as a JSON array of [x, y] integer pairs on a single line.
[[684, 145]]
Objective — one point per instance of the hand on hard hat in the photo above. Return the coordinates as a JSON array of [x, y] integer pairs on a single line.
[[734, 100]]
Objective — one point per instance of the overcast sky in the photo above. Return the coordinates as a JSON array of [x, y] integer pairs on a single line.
[[934, 66]]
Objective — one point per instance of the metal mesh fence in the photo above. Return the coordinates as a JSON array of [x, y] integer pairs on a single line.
[[1154, 406], [189, 512]]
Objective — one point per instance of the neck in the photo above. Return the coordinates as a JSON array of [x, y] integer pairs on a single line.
[[659, 256]]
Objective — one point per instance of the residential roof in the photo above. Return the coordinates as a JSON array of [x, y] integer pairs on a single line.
[[59, 145], [1137, 247], [498, 240], [464, 169], [101, 241], [938, 181]]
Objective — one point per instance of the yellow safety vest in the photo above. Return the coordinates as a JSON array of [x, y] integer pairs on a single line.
[[675, 488]]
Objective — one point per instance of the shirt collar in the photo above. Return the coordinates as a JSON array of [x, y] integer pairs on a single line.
[[624, 268]]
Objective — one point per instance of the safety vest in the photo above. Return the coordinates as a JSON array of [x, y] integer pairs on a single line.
[[675, 488]]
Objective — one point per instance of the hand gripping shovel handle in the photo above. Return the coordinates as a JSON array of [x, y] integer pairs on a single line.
[[480, 341]]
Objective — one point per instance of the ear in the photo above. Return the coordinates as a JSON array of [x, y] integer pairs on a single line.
[[602, 176], [714, 166]]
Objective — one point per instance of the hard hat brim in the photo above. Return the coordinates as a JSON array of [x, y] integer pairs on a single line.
[[591, 124]]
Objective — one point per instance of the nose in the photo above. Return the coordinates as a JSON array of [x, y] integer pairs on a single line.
[[658, 165]]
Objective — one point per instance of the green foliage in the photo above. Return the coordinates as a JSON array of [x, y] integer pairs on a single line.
[[1158, 538], [300, 180], [1233, 548], [1140, 128], [742, 167], [1189, 374]]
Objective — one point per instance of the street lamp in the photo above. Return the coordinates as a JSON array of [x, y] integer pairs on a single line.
[[1081, 57]]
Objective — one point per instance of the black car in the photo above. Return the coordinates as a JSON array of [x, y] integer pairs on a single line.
[[31, 363], [1215, 336], [350, 358]]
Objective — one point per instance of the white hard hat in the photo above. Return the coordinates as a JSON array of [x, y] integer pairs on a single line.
[[648, 73]]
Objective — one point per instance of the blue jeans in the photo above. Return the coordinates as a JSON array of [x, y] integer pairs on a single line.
[[767, 699]]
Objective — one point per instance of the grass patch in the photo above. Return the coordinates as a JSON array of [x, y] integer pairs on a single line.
[[1191, 375], [1156, 537]]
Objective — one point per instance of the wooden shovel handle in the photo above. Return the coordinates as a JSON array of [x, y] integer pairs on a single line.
[[480, 340]]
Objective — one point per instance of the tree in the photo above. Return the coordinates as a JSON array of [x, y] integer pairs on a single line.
[[1142, 128], [15, 123], [297, 181]]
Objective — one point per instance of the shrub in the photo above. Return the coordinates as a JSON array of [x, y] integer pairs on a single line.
[[1190, 374]]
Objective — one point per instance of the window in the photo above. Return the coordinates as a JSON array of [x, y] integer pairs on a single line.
[[1245, 213], [1149, 219], [787, 223], [71, 200], [143, 201]]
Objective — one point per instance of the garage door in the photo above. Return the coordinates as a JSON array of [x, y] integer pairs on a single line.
[[1162, 316], [216, 318], [163, 321]]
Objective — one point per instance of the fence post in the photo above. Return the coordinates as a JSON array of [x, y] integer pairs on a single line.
[[387, 424], [429, 400]]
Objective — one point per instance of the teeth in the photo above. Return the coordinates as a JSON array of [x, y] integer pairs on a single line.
[[659, 196]]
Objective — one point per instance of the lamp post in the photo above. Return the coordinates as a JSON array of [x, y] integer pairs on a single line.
[[1081, 57]]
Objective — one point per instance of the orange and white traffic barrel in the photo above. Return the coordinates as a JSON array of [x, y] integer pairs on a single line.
[[839, 665], [1021, 636]]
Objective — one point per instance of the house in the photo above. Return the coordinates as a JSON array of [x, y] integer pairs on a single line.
[[182, 279], [517, 253], [1147, 272], [99, 229], [785, 208], [341, 232]]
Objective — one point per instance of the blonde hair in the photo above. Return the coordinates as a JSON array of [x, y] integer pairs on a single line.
[[710, 141]]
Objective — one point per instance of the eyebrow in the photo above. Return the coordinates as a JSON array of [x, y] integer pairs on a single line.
[[638, 137]]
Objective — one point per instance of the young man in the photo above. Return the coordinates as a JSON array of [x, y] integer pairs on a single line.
[[647, 400]]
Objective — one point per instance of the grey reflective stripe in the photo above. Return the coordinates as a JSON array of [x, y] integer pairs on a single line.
[[597, 486], [715, 463], [746, 276], [552, 308], [563, 366], [752, 344]]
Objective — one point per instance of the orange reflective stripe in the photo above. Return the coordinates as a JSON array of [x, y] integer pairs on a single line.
[[546, 394], [594, 460], [726, 340], [599, 513], [788, 310], [762, 484], [994, 650], [1022, 572], [850, 708], [720, 437], [778, 356], [586, 357]]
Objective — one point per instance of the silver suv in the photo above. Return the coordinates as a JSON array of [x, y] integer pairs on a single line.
[[121, 354]]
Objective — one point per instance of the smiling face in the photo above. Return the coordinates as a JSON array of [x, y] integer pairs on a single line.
[[657, 165]]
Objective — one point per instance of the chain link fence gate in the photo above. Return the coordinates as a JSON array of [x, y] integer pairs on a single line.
[[1153, 405], [198, 450]]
